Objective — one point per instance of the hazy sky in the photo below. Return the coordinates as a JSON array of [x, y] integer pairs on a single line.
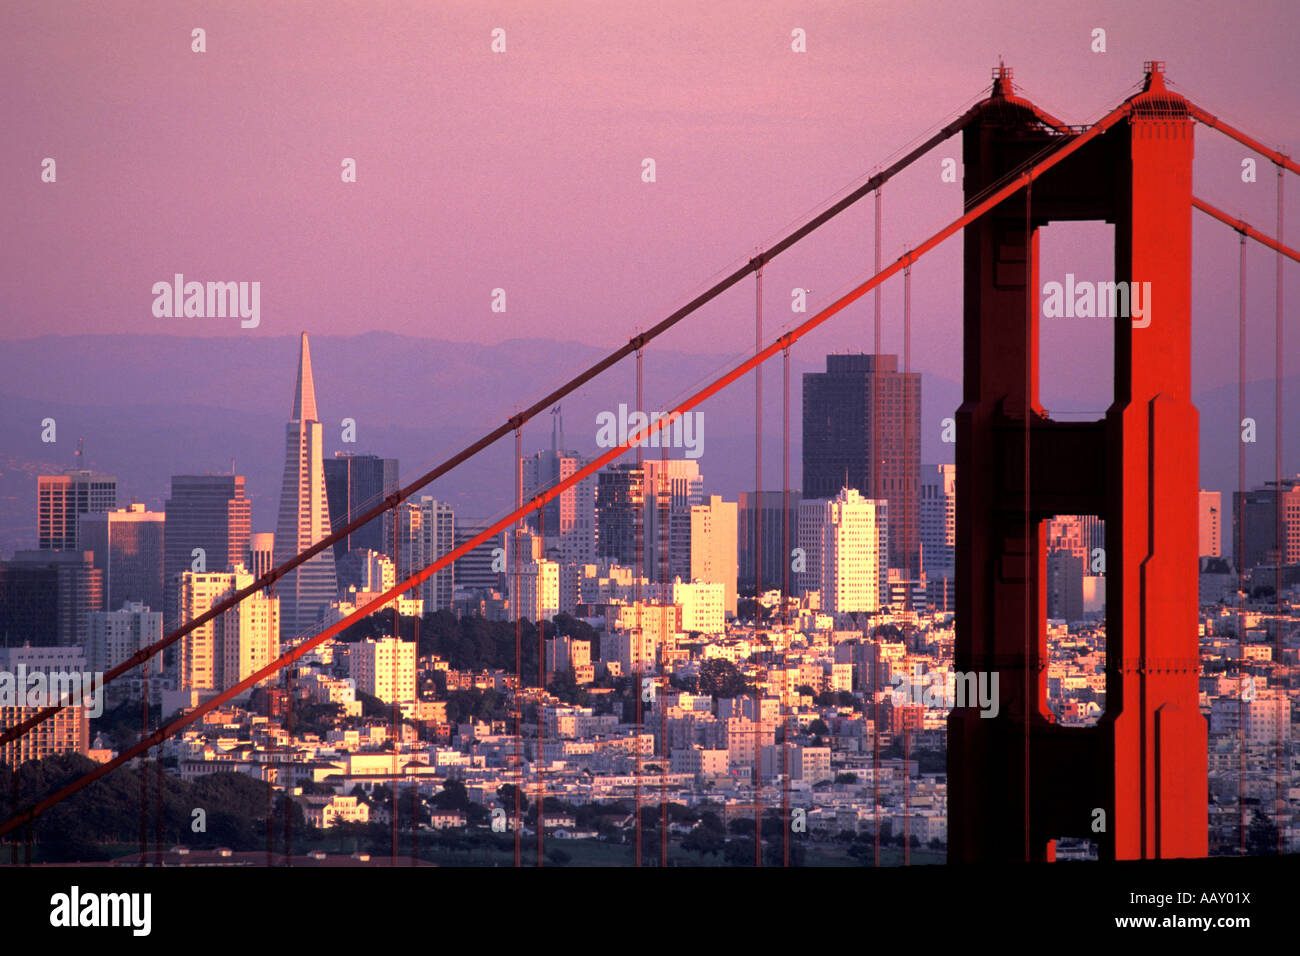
[[522, 170]]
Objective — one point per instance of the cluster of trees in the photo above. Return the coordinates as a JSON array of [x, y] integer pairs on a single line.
[[111, 810], [475, 643]]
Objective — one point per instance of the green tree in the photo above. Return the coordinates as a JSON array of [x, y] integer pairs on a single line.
[[452, 796], [1261, 837], [721, 678]]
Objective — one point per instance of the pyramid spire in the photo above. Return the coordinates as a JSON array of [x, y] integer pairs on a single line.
[[304, 392]]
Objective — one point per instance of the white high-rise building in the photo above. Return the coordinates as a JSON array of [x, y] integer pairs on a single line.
[[703, 603], [426, 532], [229, 648], [539, 590], [378, 573], [845, 541], [1210, 523], [384, 669], [304, 511], [714, 547], [938, 508], [113, 636]]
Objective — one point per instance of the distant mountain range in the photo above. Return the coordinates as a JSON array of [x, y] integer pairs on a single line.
[[151, 406]]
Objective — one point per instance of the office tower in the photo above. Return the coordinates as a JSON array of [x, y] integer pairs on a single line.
[[384, 669], [68, 731], [233, 645], [713, 547], [838, 434], [620, 515], [474, 570], [672, 487], [1065, 573], [261, 553], [1093, 536], [1066, 533], [1081, 535], [114, 636], [539, 590], [128, 547], [46, 596], [426, 532], [1254, 522], [1209, 506], [846, 548], [938, 513], [567, 521], [377, 572], [565, 652], [768, 537], [304, 513], [208, 524], [353, 485], [1069, 556], [702, 603], [639, 507], [60, 499]]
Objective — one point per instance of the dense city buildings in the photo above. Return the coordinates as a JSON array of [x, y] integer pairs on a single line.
[[837, 701]]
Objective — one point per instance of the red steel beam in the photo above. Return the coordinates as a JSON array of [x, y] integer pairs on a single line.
[[1246, 229], [1272, 155], [1013, 184]]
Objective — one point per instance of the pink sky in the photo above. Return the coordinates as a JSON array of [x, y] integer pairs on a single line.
[[522, 170]]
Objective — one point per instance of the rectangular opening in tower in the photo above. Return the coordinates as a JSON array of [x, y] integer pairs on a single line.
[[1076, 619], [1076, 328]]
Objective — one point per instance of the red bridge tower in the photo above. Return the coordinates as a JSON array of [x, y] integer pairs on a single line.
[[1135, 783]]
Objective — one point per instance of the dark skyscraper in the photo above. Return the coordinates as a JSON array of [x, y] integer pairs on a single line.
[[45, 597], [208, 512], [474, 569], [1255, 524], [620, 514], [838, 437], [128, 547], [353, 485], [775, 544]]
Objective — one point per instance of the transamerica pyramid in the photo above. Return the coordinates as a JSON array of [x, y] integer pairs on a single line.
[[304, 514]]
